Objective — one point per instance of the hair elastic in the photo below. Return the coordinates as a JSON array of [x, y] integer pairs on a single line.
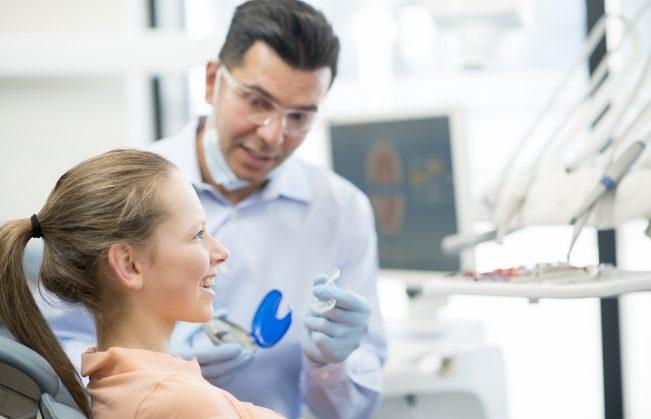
[[36, 227]]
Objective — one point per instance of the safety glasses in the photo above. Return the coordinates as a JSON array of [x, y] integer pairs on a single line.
[[261, 110]]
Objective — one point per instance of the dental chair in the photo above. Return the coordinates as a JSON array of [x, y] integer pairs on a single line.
[[29, 387]]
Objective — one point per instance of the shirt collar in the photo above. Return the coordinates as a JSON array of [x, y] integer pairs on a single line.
[[290, 183]]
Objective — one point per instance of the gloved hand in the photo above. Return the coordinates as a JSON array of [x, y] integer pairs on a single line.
[[219, 363], [334, 335]]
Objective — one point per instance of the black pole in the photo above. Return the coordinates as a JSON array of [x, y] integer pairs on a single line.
[[611, 346], [155, 81], [607, 243]]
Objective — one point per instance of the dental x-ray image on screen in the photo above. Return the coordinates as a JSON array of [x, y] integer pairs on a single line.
[[404, 165]]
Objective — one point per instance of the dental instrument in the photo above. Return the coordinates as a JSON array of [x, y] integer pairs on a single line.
[[603, 101], [266, 328], [613, 175], [591, 43], [452, 245], [618, 109], [517, 199]]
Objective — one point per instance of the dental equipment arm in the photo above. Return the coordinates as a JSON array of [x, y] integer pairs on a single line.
[[557, 197], [600, 141], [591, 43], [506, 206], [513, 194]]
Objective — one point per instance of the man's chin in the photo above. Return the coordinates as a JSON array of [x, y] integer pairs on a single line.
[[251, 176]]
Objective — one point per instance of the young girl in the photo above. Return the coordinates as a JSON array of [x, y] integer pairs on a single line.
[[124, 236]]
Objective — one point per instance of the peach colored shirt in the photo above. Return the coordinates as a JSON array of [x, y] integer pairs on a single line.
[[138, 383]]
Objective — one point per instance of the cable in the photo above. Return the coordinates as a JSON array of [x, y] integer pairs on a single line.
[[601, 139], [599, 97], [590, 44]]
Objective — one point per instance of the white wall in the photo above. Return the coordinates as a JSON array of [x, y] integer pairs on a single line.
[[73, 16], [49, 123]]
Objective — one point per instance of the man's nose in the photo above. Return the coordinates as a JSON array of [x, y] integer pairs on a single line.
[[271, 130]]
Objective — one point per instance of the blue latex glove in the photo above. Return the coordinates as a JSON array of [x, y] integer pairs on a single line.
[[334, 335], [219, 363]]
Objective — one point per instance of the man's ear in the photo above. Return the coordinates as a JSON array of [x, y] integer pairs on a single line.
[[126, 266], [211, 75]]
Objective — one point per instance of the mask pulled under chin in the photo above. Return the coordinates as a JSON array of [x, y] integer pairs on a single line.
[[219, 170]]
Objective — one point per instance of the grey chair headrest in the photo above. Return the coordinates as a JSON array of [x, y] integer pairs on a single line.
[[28, 361], [52, 409]]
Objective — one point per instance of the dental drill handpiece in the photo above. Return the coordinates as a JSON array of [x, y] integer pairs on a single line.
[[609, 180], [321, 307], [613, 175]]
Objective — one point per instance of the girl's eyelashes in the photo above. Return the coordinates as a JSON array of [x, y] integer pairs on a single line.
[[200, 234]]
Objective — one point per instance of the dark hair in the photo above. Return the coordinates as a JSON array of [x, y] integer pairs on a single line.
[[296, 31], [109, 198]]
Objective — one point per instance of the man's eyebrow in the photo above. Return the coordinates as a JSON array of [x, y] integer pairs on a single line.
[[265, 93]]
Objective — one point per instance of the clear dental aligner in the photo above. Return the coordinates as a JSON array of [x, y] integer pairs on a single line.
[[319, 306]]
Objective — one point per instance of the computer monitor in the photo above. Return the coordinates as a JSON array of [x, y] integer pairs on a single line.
[[413, 170]]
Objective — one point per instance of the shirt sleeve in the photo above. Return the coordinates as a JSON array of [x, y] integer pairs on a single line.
[[352, 389], [73, 326]]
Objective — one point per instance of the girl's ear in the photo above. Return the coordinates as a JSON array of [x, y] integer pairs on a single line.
[[126, 266]]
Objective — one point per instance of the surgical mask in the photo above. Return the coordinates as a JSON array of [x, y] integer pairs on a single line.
[[214, 158], [219, 170]]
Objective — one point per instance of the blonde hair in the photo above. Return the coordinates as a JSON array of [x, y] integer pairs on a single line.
[[109, 198]]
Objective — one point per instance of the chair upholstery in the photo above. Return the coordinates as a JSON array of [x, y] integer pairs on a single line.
[[28, 384]]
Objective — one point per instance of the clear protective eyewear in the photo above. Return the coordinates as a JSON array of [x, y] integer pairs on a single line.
[[261, 110]]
